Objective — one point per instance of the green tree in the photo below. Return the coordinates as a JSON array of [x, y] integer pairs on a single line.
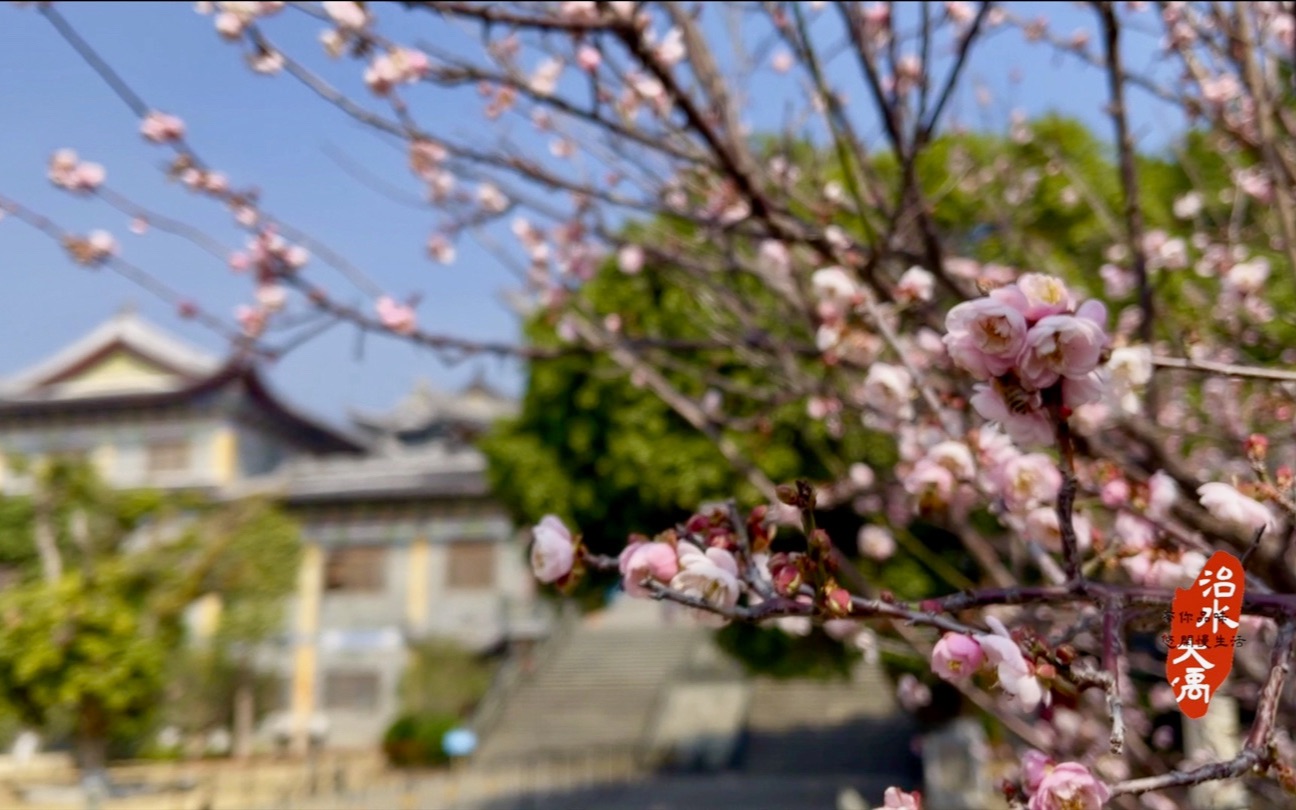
[[98, 607], [612, 458]]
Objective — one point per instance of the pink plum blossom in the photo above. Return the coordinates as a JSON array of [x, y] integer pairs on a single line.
[[1165, 572], [1115, 493], [671, 50], [491, 198], [1025, 429], [1117, 281], [931, 483], [1128, 370], [396, 316], [553, 552], [897, 799], [544, 81], [102, 243], [67, 171], [1045, 295], [837, 629], [912, 693], [347, 15], [916, 284], [267, 62], [271, 297], [1081, 391], [1016, 676], [955, 457], [228, 25], [441, 249], [888, 389], [862, 475], [985, 336], [1035, 766], [1029, 480], [334, 42], [588, 58], [630, 259], [876, 542], [957, 657], [251, 319], [162, 128], [834, 284], [640, 561], [1226, 503], [1134, 533], [397, 66], [1069, 786], [1248, 277], [1042, 526], [1162, 493], [711, 577], [1061, 346], [579, 11], [773, 258]]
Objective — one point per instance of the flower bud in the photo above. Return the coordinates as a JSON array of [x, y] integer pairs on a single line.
[[837, 600], [698, 524], [1284, 477], [1257, 447], [820, 542], [788, 580]]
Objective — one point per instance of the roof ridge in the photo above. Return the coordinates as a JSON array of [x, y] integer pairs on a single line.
[[125, 328]]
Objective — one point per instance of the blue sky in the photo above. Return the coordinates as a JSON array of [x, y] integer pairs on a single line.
[[269, 131]]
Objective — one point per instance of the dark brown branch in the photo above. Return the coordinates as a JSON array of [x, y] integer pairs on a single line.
[[1128, 172]]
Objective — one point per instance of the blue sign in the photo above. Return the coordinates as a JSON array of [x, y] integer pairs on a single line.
[[459, 742]]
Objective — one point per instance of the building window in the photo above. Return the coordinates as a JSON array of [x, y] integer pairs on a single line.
[[471, 564], [356, 568], [351, 690], [167, 456]]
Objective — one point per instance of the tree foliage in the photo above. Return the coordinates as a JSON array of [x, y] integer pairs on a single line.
[[94, 645]]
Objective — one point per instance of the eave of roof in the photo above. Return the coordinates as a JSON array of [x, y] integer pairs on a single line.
[[233, 372]]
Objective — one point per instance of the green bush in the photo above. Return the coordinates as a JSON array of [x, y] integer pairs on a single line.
[[414, 740]]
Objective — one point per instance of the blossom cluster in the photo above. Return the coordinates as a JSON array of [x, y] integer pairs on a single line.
[[957, 657], [68, 171], [1061, 786], [700, 565], [1034, 348], [270, 257], [708, 574]]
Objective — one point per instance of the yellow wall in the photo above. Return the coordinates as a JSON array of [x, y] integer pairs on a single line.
[[224, 456], [416, 597], [118, 370], [310, 581]]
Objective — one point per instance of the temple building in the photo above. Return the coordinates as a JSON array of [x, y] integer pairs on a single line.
[[402, 539]]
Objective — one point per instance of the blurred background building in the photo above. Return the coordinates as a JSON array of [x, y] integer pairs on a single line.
[[402, 541]]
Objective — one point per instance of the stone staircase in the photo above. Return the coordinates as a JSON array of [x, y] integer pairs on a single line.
[[852, 726], [633, 688], [597, 691]]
